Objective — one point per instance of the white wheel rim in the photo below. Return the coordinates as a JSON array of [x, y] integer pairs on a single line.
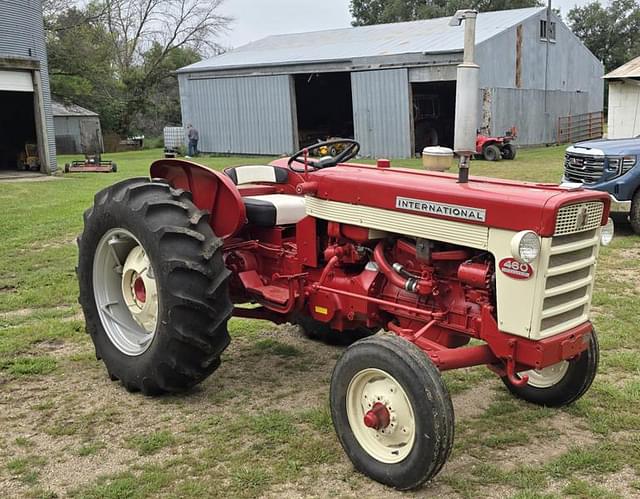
[[394, 442], [125, 291], [547, 377]]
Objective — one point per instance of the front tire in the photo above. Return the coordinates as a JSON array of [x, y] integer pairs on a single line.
[[634, 215], [562, 383], [153, 287], [391, 411], [509, 151], [492, 153]]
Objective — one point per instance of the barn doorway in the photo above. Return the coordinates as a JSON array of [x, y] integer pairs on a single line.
[[434, 107], [22, 136], [18, 138], [324, 107]]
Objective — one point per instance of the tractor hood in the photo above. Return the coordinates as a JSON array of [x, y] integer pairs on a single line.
[[609, 147], [489, 202]]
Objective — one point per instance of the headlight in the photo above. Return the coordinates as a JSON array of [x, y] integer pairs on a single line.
[[628, 162], [525, 246], [606, 236]]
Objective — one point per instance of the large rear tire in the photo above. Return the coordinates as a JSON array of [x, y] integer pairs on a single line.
[[392, 411], [153, 287], [562, 383]]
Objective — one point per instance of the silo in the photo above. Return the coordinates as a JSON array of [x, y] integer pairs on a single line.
[[26, 121]]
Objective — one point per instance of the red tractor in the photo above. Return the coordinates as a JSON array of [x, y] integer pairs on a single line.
[[496, 148], [166, 261]]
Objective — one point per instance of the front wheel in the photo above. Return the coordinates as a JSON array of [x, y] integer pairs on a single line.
[[509, 151], [153, 287], [492, 153], [391, 411], [562, 383]]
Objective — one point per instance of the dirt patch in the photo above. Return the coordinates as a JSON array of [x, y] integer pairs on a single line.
[[54, 243], [629, 253], [58, 348], [26, 312], [473, 402], [566, 436], [626, 277]]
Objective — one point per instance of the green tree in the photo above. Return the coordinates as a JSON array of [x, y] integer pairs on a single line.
[[366, 12], [610, 32], [81, 64], [118, 57]]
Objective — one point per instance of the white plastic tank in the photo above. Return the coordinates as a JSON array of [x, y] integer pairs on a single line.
[[437, 158]]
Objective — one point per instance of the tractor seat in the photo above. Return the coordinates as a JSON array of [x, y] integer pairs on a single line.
[[270, 210]]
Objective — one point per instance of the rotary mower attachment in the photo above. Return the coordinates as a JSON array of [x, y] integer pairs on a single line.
[[91, 164]]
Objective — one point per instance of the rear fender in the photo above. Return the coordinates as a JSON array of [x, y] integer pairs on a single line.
[[212, 191]]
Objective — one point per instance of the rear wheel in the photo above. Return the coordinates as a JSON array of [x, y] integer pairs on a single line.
[[492, 153], [634, 215], [153, 287], [391, 411], [562, 383], [509, 151]]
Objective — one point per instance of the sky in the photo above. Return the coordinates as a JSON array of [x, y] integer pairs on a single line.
[[255, 19]]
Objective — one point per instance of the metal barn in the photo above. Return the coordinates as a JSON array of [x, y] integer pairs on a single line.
[[77, 129], [25, 98], [624, 101], [392, 86]]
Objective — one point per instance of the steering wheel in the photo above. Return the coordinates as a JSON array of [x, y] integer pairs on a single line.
[[349, 152]]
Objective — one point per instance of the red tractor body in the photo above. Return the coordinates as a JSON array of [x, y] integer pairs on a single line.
[[318, 267], [339, 248]]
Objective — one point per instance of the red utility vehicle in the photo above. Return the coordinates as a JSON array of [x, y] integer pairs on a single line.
[[338, 248], [496, 148]]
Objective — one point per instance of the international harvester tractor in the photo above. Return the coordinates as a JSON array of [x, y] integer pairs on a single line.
[[337, 248]]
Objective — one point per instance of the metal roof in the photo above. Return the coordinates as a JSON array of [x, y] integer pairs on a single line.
[[629, 70], [61, 109], [430, 36]]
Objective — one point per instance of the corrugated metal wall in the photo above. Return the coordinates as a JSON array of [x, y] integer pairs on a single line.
[[382, 113], [22, 35], [68, 134], [574, 81], [525, 109], [246, 115]]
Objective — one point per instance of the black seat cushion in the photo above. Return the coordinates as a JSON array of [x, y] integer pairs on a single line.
[[261, 213]]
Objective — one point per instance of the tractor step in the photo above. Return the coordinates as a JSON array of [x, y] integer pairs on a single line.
[[253, 284]]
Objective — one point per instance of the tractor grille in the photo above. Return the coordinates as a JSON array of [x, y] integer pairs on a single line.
[[578, 217], [570, 268], [586, 169]]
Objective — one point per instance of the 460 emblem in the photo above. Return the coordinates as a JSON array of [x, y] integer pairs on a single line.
[[515, 269]]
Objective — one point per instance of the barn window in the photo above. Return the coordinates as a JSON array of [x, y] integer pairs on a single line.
[[543, 29], [547, 33]]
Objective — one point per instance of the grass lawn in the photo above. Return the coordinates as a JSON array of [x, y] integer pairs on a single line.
[[260, 425]]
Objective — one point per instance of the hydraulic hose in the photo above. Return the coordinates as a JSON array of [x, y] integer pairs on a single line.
[[414, 285]]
